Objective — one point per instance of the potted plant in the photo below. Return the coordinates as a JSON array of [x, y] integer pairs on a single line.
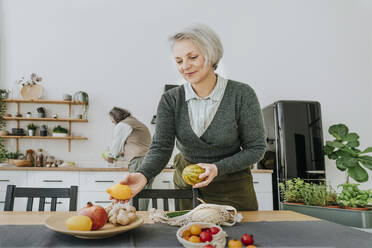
[[319, 195], [353, 198], [344, 150], [31, 129], [3, 95], [348, 157], [59, 131], [81, 110], [292, 190]]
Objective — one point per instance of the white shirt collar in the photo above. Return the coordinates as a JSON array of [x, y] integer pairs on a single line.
[[215, 95]]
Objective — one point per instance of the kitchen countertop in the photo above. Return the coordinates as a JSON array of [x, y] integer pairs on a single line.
[[15, 168]]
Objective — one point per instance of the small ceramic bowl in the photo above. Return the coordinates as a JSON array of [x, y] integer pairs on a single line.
[[218, 241]]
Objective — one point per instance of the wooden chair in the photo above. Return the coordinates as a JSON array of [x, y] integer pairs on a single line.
[[167, 194], [12, 192]]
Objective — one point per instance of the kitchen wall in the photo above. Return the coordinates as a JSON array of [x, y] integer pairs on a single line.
[[117, 51]]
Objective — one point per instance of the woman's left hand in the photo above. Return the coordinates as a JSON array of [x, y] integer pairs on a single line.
[[211, 171]]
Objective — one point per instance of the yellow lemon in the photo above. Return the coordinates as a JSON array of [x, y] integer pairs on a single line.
[[79, 223], [120, 191]]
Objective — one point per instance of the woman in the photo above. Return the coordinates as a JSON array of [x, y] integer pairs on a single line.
[[217, 124], [130, 143]]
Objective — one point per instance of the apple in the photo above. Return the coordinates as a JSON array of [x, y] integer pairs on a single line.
[[96, 213], [205, 237], [214, 230], [247, 239]]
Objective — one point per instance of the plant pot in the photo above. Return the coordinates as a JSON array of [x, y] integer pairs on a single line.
[[31, 132], [332, 206], [295, 203], [59, 134], [3, 133], [358, 209], [361, 219]]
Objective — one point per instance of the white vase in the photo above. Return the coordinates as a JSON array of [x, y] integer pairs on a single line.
[[59, 134], [31, 132]]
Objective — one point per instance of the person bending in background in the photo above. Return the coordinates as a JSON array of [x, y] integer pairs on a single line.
[[131, 142], [217, 123]]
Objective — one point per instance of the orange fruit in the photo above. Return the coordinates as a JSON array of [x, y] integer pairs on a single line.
[[251, 246], [194, 239], [233, 243], [186, 237], [195, 229], [186, 233]]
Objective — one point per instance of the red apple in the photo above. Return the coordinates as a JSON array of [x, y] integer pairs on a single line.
[[205, 237], [214, 230], [247, 239], [96, 213], [208, 246], [206, 230]]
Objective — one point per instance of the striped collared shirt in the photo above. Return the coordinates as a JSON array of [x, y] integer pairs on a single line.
[[202, 110]]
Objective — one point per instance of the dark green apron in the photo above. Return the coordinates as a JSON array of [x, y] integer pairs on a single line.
[[234, 189]]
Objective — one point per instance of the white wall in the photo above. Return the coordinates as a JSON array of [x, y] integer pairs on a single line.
[[117, 51]]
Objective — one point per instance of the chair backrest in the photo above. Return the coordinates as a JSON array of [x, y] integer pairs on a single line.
[[12, 192], [167, 194]]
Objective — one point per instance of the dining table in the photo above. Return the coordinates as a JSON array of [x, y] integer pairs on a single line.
[[269, 229]]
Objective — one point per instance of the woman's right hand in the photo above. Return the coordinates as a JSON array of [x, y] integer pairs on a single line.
[[136, 181]]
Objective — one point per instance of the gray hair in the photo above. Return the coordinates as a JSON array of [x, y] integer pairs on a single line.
[[119, 114], [206, 39]]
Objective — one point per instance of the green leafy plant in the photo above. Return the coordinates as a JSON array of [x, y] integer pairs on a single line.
[[59, 129], [3, 95], [12, 155], [348, 157], [292, 190], [319, 195], [351, 196], [82, 97], [31, 126]]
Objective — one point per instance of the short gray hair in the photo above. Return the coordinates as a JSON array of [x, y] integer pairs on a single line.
[[205, 38]]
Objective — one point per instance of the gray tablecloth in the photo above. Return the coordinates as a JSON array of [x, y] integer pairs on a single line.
[[266, 234]]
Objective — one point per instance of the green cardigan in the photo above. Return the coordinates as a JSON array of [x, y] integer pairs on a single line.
[[234, 140]]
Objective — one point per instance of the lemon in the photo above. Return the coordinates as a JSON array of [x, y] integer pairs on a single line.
[[79, 223], [119, 191]]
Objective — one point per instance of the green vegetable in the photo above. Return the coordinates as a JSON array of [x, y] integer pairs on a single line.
[[351, 196], [177, 213]]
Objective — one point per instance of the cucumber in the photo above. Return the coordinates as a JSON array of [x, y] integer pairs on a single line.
[[176, 213]]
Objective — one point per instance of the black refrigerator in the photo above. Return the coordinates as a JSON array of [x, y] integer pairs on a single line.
[[294, 143]]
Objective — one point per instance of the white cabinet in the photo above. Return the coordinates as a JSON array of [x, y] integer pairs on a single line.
[[164, 181], [18, 178], [93, 185], [52, 179], [262, 184]]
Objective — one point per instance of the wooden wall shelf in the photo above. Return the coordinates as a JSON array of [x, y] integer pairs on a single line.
[[42, 101], [44, 137], [44, 119]]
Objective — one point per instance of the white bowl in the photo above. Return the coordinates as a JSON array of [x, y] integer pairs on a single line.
[[218, 241]]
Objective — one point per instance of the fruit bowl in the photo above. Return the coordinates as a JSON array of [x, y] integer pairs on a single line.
[[218, 241]]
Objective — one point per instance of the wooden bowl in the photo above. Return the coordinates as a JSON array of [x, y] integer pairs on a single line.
[[20, 162]]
